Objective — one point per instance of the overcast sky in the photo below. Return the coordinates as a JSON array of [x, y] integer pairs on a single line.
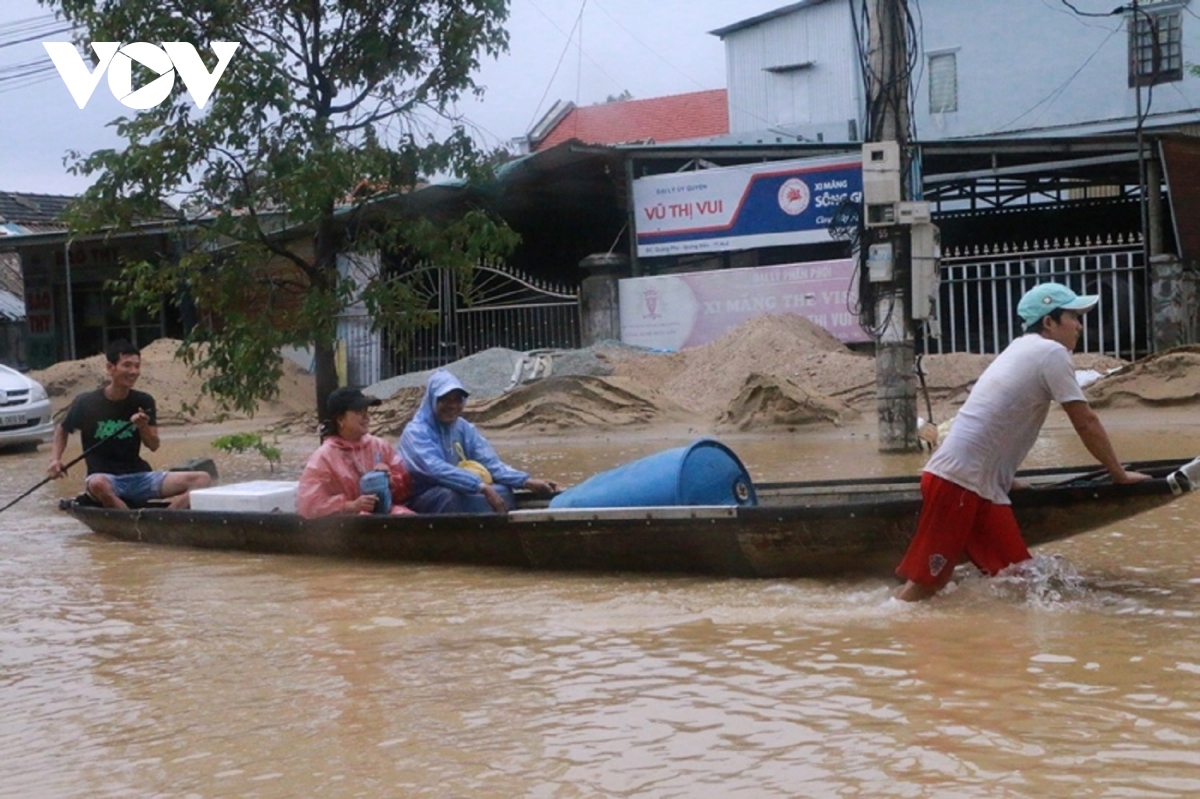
[[647, 47]]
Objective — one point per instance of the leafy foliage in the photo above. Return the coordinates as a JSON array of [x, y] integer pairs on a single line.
[[244, 442], [328, 115]]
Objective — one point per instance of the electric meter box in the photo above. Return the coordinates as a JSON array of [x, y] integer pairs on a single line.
[[880, 263], [913, 213], [881, 173], [926, 270]]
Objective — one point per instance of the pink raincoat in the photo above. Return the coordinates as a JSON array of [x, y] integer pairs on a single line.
[[330, 478]]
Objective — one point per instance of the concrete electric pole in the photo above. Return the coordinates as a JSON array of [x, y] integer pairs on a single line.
[[900, 245]]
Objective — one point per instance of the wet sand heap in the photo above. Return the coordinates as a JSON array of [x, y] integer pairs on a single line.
[[1165, 378], [776, 371], [574, 401], [176, 390]]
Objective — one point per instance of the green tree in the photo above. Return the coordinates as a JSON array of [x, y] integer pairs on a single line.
[[327, 116]]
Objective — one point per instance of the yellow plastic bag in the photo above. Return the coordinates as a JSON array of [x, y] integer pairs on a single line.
[[474, 467]]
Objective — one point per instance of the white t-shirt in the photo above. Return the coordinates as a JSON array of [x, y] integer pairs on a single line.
[[1001, 419]]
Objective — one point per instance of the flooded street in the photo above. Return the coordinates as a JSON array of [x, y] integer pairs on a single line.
[[130, 670]]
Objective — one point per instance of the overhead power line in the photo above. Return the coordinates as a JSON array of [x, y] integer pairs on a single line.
[[1077, 12], [570, 38], [20, 74], [32, 29], [1053, 96]]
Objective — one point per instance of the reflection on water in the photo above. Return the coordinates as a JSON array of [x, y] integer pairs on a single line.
[[130, 670]]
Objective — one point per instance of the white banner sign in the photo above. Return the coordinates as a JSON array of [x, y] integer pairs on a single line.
[[730, 208]]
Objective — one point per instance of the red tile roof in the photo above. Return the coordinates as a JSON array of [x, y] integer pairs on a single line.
[[659, 119]]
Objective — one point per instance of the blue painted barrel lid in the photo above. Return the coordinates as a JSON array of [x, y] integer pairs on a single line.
[[705, 472]]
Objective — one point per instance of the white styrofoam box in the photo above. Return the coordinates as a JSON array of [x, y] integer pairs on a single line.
[[257, 495]]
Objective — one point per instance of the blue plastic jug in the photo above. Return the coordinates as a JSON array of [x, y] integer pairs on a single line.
[[376, 482]]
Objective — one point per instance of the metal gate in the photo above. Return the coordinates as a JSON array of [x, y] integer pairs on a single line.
[[977, 305], [494, 306]]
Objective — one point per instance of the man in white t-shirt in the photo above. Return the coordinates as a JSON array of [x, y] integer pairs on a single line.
[[966, 509]]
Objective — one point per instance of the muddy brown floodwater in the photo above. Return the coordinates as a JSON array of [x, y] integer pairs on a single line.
[[129, 670]]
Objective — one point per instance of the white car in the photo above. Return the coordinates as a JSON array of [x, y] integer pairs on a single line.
[[25, 416]]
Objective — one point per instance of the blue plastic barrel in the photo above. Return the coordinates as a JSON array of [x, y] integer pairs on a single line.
[[704, 473]]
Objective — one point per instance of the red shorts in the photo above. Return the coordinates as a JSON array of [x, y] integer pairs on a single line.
[[955, 522]]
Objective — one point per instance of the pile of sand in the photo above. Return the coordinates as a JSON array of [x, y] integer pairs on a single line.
[[783, 370], [575, 401], [1165, 378], [768, 401], [175, 388], [705, 379], [771, 371]]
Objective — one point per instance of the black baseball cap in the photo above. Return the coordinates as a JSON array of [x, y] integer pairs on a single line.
[[348, 399]]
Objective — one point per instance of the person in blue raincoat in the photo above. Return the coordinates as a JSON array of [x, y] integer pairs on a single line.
[[454, 469]]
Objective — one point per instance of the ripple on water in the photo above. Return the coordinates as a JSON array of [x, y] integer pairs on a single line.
[[130, 671]]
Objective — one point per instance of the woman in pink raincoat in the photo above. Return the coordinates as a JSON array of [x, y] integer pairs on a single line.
[[331, 478]]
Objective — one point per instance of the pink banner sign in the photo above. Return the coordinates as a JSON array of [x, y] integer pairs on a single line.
[[674, 312]]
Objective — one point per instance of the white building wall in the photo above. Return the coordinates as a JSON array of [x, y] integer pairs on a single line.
[[1027, 66], [1024, 67], [816, 101]]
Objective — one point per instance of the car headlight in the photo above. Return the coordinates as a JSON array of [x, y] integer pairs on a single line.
[[37, 393]]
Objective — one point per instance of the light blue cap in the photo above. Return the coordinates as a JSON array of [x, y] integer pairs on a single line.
[[1042, 299]]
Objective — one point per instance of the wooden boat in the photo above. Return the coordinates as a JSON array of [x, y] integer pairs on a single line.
[[803, 529]]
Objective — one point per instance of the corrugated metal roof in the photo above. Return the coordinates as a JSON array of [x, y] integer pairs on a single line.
[[752, 21], [27, 228], [561, 156], [12, 307]]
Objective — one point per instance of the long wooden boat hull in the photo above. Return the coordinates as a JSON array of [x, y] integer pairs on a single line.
[[814, 529]]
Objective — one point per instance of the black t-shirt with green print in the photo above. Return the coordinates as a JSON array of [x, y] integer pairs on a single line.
[[96, 417]]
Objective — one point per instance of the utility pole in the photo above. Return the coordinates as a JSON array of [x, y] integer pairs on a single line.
[[889, 213]]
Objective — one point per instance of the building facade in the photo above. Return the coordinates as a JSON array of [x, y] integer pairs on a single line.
[[979, 68], [793, 75], [1030, 68]]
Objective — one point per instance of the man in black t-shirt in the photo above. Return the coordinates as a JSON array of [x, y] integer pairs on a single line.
[[123, 419]]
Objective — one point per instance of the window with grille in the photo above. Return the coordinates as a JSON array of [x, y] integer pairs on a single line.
[[1155, 47], [943, 83]]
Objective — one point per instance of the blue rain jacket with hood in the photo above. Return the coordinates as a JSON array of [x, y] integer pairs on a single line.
[[427, 446]]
